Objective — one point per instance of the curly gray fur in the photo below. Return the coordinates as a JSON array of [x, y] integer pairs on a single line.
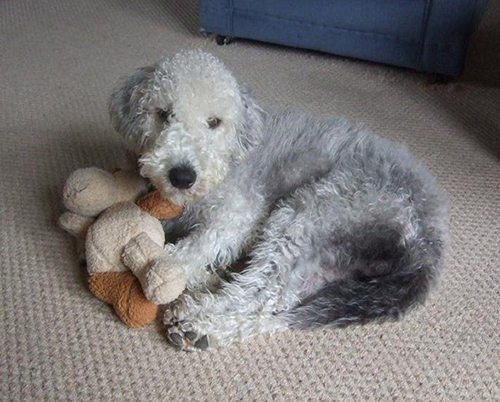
[[340, 225]]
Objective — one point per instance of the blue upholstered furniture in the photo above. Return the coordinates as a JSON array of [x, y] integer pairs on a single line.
[[426, 35]]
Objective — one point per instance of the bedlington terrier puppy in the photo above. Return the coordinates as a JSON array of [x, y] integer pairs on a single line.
[[338, 225]]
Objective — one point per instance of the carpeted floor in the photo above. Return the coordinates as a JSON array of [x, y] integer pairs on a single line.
[[58, 63]]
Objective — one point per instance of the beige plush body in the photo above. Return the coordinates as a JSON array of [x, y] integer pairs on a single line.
[[114, 228], [104, 218]]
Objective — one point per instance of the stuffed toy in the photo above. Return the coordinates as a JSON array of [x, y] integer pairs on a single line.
[[103, 216]]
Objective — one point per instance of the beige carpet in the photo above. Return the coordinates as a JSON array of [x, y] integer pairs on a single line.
[[58, 62]]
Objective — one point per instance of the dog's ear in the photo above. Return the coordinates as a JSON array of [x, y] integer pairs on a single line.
[[249, 130], [126, 107]]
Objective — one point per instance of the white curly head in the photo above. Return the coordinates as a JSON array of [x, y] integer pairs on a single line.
[[190, 120]]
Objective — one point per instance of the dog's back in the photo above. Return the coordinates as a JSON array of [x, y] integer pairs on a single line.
[[387, 230]]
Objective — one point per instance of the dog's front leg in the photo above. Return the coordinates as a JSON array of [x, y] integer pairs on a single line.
[[180, 226], [227, 224]]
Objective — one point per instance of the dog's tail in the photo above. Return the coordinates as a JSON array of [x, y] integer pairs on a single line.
[[350, 301], [360, 298]]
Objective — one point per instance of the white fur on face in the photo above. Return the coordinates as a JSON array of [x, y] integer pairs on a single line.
[[193, 87]]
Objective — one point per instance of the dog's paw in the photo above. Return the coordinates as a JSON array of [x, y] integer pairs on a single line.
[[180, 326], [185, 339]]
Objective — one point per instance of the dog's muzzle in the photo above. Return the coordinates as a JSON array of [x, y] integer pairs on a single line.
[[182, 177]]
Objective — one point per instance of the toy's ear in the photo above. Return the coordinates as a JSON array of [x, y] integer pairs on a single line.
[[127, 107]]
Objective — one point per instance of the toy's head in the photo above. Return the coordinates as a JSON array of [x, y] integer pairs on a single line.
[[188, 119], [90, 191]]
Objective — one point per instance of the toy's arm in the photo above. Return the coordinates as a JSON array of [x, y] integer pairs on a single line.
[[145, 258], [161, 208], [76, 225]]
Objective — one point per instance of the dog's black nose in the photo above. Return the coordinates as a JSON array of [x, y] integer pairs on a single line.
[[182, 177]]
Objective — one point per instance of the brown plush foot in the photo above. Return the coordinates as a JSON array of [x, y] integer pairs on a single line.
[[123, 291]]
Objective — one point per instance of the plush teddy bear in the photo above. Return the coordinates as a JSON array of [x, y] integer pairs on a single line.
[[104, 219]]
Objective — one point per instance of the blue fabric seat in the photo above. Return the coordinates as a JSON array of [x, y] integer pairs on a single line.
[[426, 35]]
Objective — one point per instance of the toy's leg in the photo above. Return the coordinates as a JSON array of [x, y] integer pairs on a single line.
[[144, 258], [116, 285], [123, 291]]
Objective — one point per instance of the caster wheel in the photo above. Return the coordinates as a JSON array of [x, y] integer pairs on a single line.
[[222, 40]]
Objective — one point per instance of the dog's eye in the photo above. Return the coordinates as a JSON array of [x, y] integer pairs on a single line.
[[165, 115], [213, 123]]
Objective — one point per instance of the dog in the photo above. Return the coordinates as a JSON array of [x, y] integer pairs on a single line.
[[338, 225]]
